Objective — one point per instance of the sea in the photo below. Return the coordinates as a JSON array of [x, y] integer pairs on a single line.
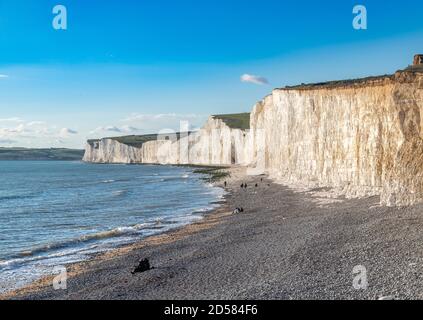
[[53, 213]]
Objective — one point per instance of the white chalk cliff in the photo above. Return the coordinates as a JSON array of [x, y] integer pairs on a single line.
[[215, 144], [363, 137]]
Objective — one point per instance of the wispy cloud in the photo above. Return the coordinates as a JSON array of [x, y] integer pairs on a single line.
[[66, 132], [249, 78], [161, 116], [122, 129], [4, 76], [14, 119], [24, 133], [142, 123]]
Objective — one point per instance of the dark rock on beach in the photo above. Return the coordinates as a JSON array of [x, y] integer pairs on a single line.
[[143, 266]]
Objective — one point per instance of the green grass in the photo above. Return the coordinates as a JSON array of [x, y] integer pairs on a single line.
[[235, 121], [342, 83], [135, 140], [41, 154], [337, 83]]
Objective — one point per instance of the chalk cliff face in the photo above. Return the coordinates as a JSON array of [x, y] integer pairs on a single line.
[[111, 151], [215, 144], [362, 137]]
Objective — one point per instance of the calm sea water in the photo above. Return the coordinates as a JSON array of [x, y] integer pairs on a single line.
[[54, 213]]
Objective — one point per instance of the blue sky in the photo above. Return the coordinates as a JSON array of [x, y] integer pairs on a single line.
[[125, 67]]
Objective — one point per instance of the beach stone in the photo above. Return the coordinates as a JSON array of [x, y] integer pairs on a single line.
[[143, 266]]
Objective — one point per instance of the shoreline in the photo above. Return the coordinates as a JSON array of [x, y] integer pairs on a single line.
[[75, 269], [287, 245], [208, 218]]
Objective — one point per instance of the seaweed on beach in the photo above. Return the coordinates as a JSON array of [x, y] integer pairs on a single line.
[[213, 174]]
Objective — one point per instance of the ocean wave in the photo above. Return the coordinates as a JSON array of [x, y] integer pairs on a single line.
[[82, 239], [19, 196], [174, 178], [119, 193], [75, 246]]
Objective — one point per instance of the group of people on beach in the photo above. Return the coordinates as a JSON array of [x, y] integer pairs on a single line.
[[245, 185]]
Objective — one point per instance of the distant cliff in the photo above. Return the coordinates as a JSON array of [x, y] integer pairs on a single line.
[[363, 137], [40, 154], [222, 141]]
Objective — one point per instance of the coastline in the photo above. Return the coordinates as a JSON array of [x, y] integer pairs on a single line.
[[212, 175], [288, 244], [74, 269]]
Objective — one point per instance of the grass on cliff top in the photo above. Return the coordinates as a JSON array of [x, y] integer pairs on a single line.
[[136, 141], [53, 154], [337, 83], [235, 121], [342, 83]]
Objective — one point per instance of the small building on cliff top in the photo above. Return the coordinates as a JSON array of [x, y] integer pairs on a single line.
[[418, 60]]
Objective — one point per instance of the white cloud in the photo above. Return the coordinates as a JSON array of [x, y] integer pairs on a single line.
[[161, 116], [254, 79], [66, 132], [4, 76], [129, 129], [24, 133], [35, 123], [14, 119], [110, 129], [123, 129]]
